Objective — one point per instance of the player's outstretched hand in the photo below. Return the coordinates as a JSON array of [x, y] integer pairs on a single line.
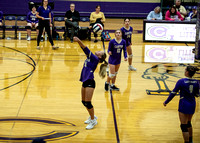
[[76, 39], [125, 59]]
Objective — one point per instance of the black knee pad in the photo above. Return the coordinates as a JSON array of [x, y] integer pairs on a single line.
[[28, 27], [189, 125], [184, 127], [88, 104]]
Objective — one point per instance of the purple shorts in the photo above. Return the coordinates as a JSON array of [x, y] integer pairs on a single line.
[[186, 107]]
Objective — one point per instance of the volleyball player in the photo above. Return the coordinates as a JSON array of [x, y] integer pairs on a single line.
[[189, 89], [87, 77], [114, 50], [32, 22], [1, 18], [44, 15], [127, 31]]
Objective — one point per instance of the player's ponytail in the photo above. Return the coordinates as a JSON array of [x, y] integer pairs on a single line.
[[102, 71], [192, 70]]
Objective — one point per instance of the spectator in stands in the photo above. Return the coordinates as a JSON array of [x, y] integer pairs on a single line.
[[1, 18], [173, 15], [32, 22], [193, 13], [155, 15], [181, 9], [72, 18], [97, 17]]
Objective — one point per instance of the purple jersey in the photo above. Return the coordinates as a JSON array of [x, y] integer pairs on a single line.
[[116, 50], [31, 18], [189, 88], [127, 34], [44, 12], [89, 66], [1, 16]]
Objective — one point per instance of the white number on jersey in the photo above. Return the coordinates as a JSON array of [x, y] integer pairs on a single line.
[[191, 88], [118, 50]]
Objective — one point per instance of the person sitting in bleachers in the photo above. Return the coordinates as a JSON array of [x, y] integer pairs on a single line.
[[173, 15], [193, 13], [1, 18], [155, 15], [97, 17], [181, 9], [72, 18], [32, 22]]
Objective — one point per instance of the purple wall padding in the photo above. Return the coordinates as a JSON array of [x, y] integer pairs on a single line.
[[110, 9]]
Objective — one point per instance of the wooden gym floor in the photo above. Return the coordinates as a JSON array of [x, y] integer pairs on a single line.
[[41, 95]]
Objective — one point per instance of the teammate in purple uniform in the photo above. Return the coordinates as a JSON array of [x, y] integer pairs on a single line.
[[189, 89], [87, 77], [127, 31], [1, 18], [114, 50], [32, 22], [44, 15]]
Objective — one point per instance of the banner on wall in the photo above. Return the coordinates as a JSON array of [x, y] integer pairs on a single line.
[[172, 32]]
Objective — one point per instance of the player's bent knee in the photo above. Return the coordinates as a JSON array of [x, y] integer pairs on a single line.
[[189, 125], [88, 104], [184, 127], [112, 75]]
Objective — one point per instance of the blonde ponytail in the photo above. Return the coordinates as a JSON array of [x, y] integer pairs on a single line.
[[102, 71]]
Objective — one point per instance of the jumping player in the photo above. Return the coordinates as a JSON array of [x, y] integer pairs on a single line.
[[87, 77], [114, 50], [32, 22], [127, 31], [44, 15], [189, 89]]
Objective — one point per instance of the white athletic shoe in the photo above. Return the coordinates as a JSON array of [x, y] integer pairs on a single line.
[[131, 68], [28, 38], [91, 124], [89, 119]]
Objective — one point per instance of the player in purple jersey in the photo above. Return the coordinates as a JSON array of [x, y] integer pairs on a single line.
[[87, 77], [32, 22], [51, 28], [189, 89], [114, 50], [1, 18], [44, 15], [127, 32]]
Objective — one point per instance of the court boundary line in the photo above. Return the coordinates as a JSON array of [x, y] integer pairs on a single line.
[[112, 101], [114, 117]]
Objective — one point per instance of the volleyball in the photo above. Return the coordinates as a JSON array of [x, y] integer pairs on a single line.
[[97, 28]]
